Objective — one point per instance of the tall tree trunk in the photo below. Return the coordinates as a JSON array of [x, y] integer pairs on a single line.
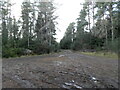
[[111, 17], [89, 22], [106, 32], [93, 11], [89, 17]]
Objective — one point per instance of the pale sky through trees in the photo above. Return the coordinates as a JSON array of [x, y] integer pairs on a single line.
[[67, 10]]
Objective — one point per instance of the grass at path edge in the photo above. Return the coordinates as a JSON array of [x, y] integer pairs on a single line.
[[102, 54]]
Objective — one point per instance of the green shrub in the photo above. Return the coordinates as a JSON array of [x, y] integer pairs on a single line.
[[113, 46], [39, 48], [8, 52], [11, 52]]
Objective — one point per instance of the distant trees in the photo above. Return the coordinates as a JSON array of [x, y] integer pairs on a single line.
[[34, 30], [97, 27], [68, 39]]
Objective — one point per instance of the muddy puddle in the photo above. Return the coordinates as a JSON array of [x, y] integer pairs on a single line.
[[71, 84], [61, 55], [58, 63]]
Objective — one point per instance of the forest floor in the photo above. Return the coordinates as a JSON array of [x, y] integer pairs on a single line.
[[65, 69]]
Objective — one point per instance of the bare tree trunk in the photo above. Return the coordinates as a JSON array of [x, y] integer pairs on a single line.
[[93, 11], [89, 17], [89, 22], [111, 17], [106, 32]]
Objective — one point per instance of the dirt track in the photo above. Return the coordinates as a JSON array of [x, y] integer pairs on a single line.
[[61, 70]]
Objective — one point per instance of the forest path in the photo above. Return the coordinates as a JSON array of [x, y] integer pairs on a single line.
[[66, 69]]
